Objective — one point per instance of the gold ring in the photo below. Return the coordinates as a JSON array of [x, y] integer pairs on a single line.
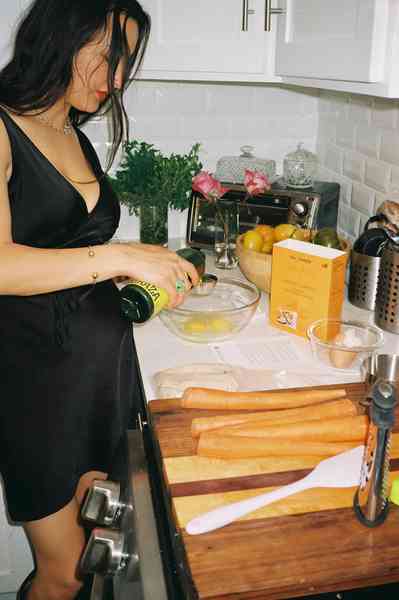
[[180, 286]]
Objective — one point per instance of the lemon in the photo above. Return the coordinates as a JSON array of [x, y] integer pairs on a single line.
[[252, 240], [302, 234], [267, 232], [267, 247], [283, 231]]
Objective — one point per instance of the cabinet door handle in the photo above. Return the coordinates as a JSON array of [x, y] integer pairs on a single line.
[[269, 11], [246, 11]]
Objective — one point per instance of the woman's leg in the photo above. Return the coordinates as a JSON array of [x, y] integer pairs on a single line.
[[58, 541]]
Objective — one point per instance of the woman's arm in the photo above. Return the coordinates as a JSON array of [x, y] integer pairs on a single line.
[[27, 271]]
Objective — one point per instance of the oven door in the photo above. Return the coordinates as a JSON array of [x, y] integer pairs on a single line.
[[124, 553]]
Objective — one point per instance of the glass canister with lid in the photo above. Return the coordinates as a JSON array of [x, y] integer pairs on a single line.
[[231, 169], [300, 168]]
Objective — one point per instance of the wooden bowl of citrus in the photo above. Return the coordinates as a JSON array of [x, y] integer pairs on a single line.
[[254, 250]]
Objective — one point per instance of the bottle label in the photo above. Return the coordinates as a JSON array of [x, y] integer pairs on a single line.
[[158, 295]]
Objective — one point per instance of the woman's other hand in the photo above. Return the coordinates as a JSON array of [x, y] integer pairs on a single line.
[[161, 266]]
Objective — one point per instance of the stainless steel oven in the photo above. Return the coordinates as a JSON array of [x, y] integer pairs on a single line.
[[124, 549], [311, 208]]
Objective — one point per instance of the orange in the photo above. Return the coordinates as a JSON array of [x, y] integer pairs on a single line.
[[267, 231], [252, 240], [283, 231]]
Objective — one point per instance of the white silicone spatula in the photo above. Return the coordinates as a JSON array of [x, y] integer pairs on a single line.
[[342, 470]]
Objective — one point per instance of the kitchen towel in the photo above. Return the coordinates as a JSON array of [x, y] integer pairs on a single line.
[[171, 383]]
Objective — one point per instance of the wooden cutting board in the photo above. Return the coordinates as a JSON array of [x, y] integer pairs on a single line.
[[305, 544]]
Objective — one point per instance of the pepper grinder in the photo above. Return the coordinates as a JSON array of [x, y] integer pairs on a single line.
[[370, 501]]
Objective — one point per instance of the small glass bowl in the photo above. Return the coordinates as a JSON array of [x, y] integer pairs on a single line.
[[343, 344], [213, 317]]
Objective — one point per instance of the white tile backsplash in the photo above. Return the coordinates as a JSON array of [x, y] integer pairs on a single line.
[[363, 199], [334, 158], [354, 165], [377, 175], [385, 113], [390, 147], [371, 170], [345, 135], [356, 137], [222, 117], [368, 141], [360, 108]]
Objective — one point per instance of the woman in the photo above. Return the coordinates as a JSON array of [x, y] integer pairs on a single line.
[[67, 360]]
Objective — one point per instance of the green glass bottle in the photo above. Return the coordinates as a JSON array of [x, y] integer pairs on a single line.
[[141, 300]]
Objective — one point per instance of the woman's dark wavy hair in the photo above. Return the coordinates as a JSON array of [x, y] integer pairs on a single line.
[[46, 43]]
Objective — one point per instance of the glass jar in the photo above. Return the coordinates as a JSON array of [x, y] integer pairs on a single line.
[[300, 168], [231, 169]]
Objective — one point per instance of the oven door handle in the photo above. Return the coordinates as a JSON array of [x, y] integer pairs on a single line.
[[97, 588]]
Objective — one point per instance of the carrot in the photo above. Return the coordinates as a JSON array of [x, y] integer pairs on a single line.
[[216, 445], [208, 398], [325, 410], [339, 429]]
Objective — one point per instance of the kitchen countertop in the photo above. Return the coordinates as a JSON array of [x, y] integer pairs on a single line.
[[159, 349], [292, 552]]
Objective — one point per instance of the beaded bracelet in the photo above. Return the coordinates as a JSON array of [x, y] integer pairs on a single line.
[[92, 254]]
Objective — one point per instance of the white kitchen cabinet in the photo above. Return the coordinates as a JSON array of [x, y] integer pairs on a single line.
[[209, 40], [347, 45]]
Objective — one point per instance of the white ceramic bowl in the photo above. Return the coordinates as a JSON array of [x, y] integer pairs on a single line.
[[343, 344], [219, 316]]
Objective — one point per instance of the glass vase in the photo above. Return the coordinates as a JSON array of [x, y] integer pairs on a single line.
[[154, 224], [226, 232]]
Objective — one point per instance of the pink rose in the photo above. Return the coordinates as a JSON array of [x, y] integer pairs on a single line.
[[208, 186], [255, 182]]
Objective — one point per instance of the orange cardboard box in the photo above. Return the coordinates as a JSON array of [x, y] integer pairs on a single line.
[[308, 283]]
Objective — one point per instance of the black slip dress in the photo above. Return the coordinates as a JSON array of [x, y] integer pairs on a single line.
[[68, 368]]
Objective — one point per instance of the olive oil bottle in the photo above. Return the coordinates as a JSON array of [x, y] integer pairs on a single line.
[[141, 300]]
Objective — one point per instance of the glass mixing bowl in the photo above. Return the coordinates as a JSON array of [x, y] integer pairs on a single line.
[[214, 317]]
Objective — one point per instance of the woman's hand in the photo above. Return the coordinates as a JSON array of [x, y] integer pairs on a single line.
[[160, 266]]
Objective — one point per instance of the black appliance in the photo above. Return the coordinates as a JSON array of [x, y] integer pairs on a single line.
[[312, 208]]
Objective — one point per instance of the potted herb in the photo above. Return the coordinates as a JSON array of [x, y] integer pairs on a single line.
[[149, 183]]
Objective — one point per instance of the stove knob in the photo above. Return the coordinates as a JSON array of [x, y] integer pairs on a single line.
[[102, 504], [300, 209], [104, 553]]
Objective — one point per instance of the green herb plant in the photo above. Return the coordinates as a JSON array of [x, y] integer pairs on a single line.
[[147, 178], [145, 175]]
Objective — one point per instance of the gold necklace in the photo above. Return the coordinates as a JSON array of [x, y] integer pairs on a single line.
[[67, 128]]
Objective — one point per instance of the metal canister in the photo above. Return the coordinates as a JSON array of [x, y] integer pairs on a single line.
[[363, 280], [371, 501], [386, 311]]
